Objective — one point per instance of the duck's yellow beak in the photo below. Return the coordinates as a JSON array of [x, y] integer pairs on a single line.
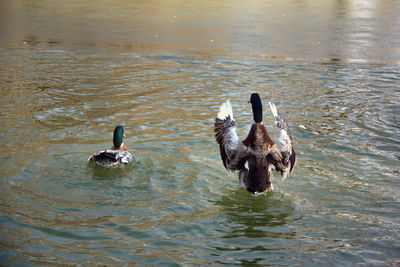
[[123, 135], [249, 101]]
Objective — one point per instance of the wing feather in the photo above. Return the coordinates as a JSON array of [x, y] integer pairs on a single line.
[[233, 151], [284, 142]]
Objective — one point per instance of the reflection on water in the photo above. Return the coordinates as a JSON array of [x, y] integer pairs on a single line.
[[253, 221], [265, 211], [359, 31], [71, 71]]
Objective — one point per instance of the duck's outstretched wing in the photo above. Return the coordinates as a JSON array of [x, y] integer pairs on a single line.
[[233, 151], [284, 142]]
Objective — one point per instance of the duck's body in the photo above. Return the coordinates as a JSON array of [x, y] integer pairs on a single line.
[[256, 156], [111, 158], [116, 157]]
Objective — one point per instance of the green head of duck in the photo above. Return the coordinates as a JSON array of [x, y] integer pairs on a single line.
[[118, 137]]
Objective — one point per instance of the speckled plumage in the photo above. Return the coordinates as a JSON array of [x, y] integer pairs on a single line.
[[110, 158]]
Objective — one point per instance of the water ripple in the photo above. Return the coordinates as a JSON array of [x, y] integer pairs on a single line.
[[177, 205]]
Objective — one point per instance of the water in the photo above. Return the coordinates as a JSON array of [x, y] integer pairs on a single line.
[[71, 71]]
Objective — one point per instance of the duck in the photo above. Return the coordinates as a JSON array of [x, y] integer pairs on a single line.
[[256, 157], [116, 157]]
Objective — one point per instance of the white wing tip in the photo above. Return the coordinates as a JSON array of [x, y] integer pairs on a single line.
[[225, 110], [273, 109]]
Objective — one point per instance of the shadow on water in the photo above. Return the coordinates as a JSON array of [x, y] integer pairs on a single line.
[[255, 229], [254, 216]]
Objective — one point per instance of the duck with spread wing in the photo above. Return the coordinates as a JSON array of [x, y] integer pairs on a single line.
[[258, 155]]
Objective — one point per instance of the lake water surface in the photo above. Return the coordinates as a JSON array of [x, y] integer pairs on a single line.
[[70, 71]]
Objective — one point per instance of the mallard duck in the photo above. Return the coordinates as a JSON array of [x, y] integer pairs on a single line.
[[257, 156], [116, 157]]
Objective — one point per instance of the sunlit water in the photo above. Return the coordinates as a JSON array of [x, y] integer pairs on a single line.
[[71, 72]]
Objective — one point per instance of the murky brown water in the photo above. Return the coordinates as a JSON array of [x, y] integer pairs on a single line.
[[71, 71]]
